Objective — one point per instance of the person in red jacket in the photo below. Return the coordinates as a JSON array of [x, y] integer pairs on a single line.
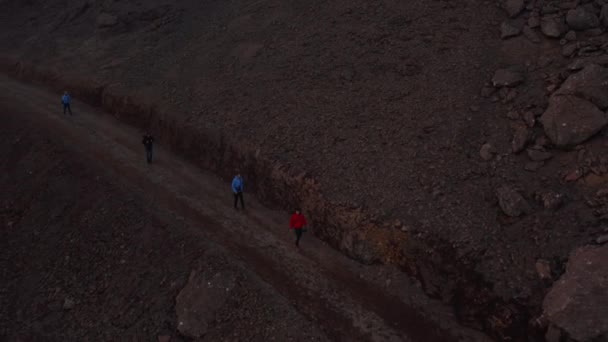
[[297, 223]]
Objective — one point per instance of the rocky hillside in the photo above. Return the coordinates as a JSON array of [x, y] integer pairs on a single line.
[[463, 141]]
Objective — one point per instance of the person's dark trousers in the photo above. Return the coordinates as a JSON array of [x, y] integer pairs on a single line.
[[237, 196], [298, 235], [149, 154], [66, 106]]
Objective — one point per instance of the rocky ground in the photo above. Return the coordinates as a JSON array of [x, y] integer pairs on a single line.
[[84, 258], [481, 124]]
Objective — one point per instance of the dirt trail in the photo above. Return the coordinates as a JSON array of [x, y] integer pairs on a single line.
[[325, 286]]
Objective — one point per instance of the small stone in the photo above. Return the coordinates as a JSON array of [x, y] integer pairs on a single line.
[[533, 166], [543, 268], [68, 303], [521, 138], [510, 28], [602, 239], [534, 22], [573, 175], [487, 152], [511, 202], [553, 27], [513, 7], [529, 118], [474, 109], [569, 49], [550, 200], [539, 155], [570, 36], [507, 78]]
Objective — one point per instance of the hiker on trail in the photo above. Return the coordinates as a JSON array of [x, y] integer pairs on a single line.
[[237, 189], [298, 224], [148, 141], [66, 100]]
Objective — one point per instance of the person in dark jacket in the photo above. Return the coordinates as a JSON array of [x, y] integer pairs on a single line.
[[148, 142], [298, 224], [66, 100], [237, 190]]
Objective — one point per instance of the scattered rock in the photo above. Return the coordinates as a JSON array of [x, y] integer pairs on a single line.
[[580, 19], [521, 137], [570, 120], [514, 7], [106, 20], [543, 268], [536, 154], [510, 28], [591, 83], [580, 63], [569, 49], [553, 27], [529, 118], [602, 239], [507, 78], [577, 303], [530, 34], [570, 36], [533, 166], [573, 175], [69, 303], [594, 33], [198, 301], [511, 202], [487, 152], [534, 22], [550, 200]]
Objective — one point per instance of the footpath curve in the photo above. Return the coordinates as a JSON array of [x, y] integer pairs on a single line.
[[342, 296]]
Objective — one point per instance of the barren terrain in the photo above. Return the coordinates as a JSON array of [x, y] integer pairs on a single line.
[[462, 142]]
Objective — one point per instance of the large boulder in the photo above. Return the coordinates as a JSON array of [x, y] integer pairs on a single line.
[[591, 83], [578, 302], [580, 19], [197, 303], [570, 120]]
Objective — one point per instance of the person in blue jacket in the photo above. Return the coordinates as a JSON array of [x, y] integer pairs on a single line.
[[237, 190], [66, 100]]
